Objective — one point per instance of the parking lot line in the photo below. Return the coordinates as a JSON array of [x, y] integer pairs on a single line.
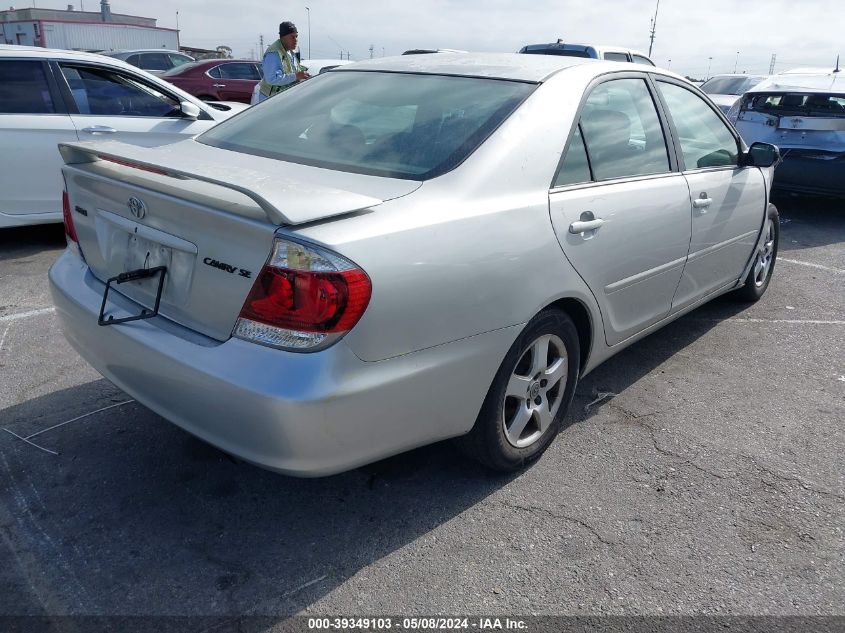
[[787, 321], [26, 315], [3, 338], [838, 271]]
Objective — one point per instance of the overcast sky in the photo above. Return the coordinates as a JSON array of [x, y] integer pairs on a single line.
[[689, 32]]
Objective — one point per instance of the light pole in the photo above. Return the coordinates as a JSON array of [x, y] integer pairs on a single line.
[[736, 63], [308, 12], [708, 67], [670, 64]]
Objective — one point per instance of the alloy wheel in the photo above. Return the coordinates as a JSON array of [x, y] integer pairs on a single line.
[[535, 391]]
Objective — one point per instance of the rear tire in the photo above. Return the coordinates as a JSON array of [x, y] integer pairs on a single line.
[[529, 397], [764, 261]]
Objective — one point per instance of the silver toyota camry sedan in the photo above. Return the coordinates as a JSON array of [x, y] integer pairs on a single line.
[[406, 250]]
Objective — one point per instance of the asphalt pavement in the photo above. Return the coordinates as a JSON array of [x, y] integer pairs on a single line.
[[711, 481]]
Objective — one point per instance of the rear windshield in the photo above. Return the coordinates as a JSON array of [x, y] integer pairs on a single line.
[[555, 50], [181, 69], [729, 85], [386, 124], [793, 103]]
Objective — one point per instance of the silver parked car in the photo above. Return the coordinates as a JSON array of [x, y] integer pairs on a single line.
[[406, 250]]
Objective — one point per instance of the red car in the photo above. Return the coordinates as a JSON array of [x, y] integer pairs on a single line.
[[217, 79]]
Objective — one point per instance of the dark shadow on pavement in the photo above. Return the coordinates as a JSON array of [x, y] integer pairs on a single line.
[[31, 240], [136, 517], [808, 221]]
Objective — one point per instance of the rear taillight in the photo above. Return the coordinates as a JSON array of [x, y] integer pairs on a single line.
[[305, 298], [70, 229]]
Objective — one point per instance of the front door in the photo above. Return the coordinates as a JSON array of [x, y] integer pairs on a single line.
[[621, 215], [115, 105]]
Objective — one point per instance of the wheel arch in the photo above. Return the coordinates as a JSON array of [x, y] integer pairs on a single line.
[[581, 317]]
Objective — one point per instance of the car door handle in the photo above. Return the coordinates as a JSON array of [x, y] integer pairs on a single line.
[[99, 129], [584, 226], [702, 203], [219, 85]]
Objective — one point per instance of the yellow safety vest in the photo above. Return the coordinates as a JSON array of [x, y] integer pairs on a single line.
[[290, 64]]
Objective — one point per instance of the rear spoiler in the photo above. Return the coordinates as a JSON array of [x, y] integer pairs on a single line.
[[283, 200]]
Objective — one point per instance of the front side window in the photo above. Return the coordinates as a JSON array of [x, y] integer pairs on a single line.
[[706, 141], [105, 92], [622, 131], [388, 124], [24, 88]]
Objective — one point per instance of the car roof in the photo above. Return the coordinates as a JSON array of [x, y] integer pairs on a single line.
[[145, 50], [514, 66], [817, 80], [13, 50]]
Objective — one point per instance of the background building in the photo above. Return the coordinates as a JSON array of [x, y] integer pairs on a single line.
[[84, 30]]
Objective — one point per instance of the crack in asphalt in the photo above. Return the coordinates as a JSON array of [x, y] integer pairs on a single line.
[[637, 420], [554, 515]]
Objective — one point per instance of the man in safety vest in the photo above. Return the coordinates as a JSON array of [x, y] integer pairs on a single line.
[[280, 65]]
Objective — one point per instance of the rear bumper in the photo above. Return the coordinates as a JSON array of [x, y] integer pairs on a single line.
[[812, 172], [299, 414]]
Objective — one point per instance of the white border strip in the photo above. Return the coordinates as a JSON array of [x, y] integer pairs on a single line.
[[838, 271], [26, 315]]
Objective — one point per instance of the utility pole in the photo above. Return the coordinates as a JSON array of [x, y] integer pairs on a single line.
[[261, 45], [653, 28], [772, 65], [371, 51], [308, 10], [736, 63], [708, 67]]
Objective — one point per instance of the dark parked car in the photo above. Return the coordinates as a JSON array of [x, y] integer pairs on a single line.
[[154, 60], [217, 79]]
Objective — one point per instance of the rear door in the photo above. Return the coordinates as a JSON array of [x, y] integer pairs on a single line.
[[619, 207], [118, 105], [728, 201], [33, 121], [237, 79]]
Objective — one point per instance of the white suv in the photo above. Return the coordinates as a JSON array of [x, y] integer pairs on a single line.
[[49, 97]]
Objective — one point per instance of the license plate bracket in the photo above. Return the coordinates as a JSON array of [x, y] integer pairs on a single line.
[[133, 275]]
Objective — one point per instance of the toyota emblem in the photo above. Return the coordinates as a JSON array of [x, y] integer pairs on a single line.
[[137, 207]]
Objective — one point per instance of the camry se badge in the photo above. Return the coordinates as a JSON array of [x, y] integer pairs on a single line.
[[137, 207], [227, 267]]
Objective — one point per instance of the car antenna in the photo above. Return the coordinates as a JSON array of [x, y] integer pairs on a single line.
[[836, 70]]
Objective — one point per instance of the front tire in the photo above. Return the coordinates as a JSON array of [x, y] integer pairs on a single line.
[[765, 257], [529, 397]]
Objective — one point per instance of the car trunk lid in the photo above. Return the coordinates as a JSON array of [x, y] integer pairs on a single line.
[[208, 215]]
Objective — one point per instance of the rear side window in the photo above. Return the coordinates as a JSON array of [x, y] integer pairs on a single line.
[[616, 57], [575, 167], [622, 131], [215, 72], [238, 71], [24, 88], [705, 139], [155, 61], [639, 59]]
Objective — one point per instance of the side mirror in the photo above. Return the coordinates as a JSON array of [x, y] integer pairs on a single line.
[[190, 110], [761, 155]]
